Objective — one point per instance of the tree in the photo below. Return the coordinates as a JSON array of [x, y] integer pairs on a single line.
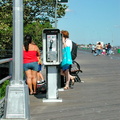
[[5, 25], [36, 13], [37, 32], [42, 10]]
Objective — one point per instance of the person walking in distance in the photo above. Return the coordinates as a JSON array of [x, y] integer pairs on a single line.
[[99, 48], [108, 49], [93, 48]]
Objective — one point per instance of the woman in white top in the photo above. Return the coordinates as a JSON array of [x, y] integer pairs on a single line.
[[99, 48]]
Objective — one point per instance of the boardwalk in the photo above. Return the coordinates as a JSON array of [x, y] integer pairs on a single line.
[[98, 98]]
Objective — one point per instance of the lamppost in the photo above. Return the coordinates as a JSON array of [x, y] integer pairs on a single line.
[[56, 5], [56, 2], [17, 99]]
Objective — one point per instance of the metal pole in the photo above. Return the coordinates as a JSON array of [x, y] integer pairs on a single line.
[[56, 2], [17, 99], [17, 41]]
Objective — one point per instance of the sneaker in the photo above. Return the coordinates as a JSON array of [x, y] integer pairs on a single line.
[[43, 81], [39, 82]]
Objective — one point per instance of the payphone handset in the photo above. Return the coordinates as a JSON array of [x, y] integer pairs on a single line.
[[52, 47]]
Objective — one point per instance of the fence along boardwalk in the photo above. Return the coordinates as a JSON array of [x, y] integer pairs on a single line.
[[98, 98], [2, 100]]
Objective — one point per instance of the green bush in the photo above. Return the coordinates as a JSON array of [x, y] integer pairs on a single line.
[[3, 88]]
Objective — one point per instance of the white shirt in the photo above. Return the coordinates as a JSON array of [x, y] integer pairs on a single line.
[[69, 43]]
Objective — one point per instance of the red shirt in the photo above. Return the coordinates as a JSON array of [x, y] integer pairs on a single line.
[[30, 56]]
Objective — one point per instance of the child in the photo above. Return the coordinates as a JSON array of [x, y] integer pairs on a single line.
[[40, 78], [103, 52]]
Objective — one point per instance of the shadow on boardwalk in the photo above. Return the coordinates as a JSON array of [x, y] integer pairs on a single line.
[[98, 98]]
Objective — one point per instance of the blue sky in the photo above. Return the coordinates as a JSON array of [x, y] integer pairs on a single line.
[[89, 21]]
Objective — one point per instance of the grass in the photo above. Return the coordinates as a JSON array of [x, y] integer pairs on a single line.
[[3, 88]]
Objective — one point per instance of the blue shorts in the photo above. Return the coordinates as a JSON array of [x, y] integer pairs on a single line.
[[65, 67], [31, 66], [39, 67]]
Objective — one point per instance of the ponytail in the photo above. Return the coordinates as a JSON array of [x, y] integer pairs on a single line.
[[27, 41]]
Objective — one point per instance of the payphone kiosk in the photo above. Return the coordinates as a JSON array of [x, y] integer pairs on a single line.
[[52, 49]]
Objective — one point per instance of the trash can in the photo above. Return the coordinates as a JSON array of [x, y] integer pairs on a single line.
[[118, 50]]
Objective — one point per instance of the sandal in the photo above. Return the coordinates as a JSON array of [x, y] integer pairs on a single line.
[[34, 93], [31, 93], [66, 88]]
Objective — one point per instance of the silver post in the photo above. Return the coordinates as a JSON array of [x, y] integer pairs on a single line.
[[56, 2], [17, 40], [17, 99]]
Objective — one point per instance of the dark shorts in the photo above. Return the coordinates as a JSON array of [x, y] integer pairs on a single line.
[[39, 67], [65, 67], [31, 66]]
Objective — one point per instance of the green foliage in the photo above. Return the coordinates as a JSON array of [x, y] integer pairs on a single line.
[[38, 14], [42, 10], [5, 25], [35, 29], [3, 88]]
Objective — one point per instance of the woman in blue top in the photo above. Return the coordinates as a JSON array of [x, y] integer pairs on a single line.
[[65, 70]]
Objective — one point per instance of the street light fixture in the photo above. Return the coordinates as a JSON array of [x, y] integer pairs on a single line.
[[63, 1]]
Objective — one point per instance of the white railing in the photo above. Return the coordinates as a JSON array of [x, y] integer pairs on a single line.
[[2, 101]]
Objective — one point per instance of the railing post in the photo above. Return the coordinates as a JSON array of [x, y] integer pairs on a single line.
[[10, 67]]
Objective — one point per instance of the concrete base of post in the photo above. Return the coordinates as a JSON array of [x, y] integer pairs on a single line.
[[17, 103], [61, 89]]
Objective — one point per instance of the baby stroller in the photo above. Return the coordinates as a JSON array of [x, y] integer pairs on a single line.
[[41, 88], [75, 70]]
